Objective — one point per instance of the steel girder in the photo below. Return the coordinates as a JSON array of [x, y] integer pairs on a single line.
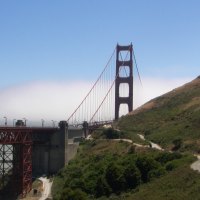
[[16, 154]]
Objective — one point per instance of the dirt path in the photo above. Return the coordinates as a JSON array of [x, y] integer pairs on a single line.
[[196, 165], [125, 140], [47, 184], [153, 145]]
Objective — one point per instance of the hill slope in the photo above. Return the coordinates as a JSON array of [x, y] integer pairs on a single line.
[[108, 169], [169, 119]]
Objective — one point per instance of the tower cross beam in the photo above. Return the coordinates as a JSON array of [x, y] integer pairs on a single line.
[[119, 80]]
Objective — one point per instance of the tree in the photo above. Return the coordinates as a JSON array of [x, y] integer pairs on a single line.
[[102, 187], [115, 178], [145, 165], [69, 194], [132, 175]]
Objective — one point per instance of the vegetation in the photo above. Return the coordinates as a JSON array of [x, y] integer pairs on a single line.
[[171, 120], [107, 169], [111, 133], [99, 171]]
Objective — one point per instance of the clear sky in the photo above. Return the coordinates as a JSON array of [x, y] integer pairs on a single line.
[[71, 40]]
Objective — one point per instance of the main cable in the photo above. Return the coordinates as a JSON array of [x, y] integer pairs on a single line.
[[109, 88], [92, 86], [137, 68]]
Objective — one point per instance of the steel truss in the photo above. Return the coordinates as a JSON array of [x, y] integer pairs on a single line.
[[6, 164], [16, 158]]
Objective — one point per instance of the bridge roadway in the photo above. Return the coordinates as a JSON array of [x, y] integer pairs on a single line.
[[38, 150], [34, 151]]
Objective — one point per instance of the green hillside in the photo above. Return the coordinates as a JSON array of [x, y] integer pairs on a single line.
[[171, 120], [105, 168]]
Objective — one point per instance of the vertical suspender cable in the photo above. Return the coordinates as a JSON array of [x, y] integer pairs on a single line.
[[92, 86]]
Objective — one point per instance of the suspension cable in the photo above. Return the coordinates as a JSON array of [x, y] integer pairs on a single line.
[[137, 68], [92, 86], [109, 88]]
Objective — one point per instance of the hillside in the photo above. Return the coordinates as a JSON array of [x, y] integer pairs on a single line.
[[107, 169], [171, 120]]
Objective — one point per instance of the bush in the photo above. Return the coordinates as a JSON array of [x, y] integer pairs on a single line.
[[166, 157], [177, 144], [170, 166], [131, 150], [102, 187], [115, 178], [145, 165], [132, 176], [110, 133], [90, 181], [69, 194], [156, 173], [103, 174]]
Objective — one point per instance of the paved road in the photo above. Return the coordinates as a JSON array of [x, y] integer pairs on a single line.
[[46, 188], [196, 165]]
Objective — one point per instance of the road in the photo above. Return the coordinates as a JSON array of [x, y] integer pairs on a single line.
[[196, 165], [47, 184]]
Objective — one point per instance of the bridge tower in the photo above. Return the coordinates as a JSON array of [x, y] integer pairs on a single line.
[[128, 62]]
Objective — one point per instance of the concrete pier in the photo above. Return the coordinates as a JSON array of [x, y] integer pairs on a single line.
[[52, 151]]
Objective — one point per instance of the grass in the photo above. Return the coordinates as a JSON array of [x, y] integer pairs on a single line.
[[93, 154], [165, 120], [128, 134], [174, 115], [36, 185], [181, 184]]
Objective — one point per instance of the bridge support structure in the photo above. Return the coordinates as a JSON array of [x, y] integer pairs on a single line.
[[85, 128], [128, 80], [16, 158]]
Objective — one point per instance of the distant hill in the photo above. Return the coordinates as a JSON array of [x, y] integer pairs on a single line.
[[172, 117]]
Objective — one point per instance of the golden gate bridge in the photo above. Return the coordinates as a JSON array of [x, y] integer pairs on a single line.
[[101, 105]]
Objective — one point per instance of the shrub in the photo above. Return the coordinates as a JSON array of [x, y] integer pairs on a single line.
[[131, 150], [132, 176], [156, 173], [145, 164], [166, 157], [115, 178], [69, 194], [110, 133], [170, 166], [177, 144], [102, 187]]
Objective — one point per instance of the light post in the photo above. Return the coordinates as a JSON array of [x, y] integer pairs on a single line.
[[53, 123], [14, 122], [42, 122], [25, 120], [5, 120]]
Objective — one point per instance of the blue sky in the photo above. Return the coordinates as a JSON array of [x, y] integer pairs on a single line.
[[71, 40]]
